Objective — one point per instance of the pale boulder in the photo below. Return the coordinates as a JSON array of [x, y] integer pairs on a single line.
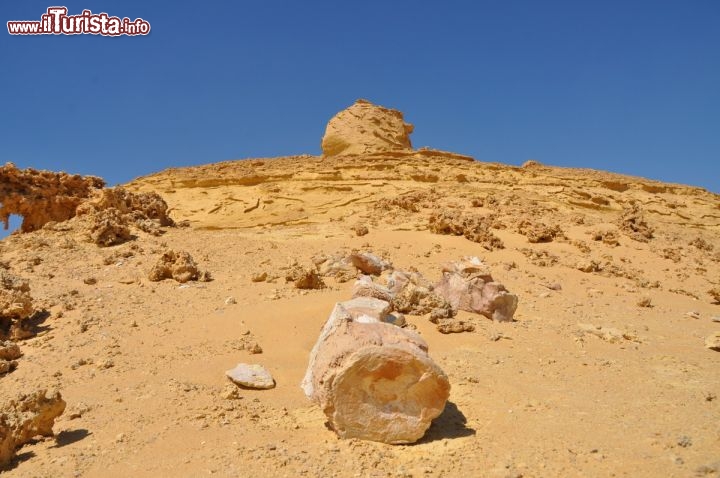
[[26, 417], [467, 285], [374, 381]]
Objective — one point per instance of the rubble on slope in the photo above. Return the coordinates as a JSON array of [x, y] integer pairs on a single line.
[[474, 227], [15, 307], [539, 232], [632, 222]]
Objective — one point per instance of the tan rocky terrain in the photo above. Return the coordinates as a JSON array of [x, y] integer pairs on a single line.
[[143, 296]]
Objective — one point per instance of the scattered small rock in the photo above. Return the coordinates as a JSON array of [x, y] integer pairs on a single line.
[[452, 326], [684, 441], [608, 334], [230, 392], [713, 342], [715, 294], [644, 302], [360, 229], [259, 277], [589, 266]]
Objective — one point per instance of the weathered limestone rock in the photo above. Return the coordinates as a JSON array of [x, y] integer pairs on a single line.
[[413, 294], [337, 266], [469, 286], [9, 352], [367, 309], [26, 417], [374, 381], [135, 206], [178, 265], [304, 277], [44, 198], [366, 128], [632, 222], [107, 227], [365, 287], [251, 376], [369, 263]]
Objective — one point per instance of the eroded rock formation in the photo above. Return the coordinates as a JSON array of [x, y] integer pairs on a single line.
[[106, 214], [42, 196], [26, 417], [366, 128]]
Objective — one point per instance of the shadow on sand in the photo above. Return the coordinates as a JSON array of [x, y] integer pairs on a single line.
[[68, 437], [450, 424], [19, 458]]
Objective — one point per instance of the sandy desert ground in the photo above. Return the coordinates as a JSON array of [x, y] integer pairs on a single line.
[[604, 372]]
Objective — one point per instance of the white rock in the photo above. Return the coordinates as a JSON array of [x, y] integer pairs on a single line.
[[251, 376]]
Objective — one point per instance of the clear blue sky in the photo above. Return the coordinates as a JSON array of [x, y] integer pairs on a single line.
[[627, 86]]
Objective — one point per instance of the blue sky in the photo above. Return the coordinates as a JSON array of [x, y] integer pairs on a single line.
[[626, 86]]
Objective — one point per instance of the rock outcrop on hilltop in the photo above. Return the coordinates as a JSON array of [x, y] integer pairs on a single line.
[[366, 128]]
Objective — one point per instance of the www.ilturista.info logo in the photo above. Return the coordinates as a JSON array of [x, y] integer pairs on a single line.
[[57, 22]]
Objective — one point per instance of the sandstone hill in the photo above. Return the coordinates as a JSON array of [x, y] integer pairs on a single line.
[[134, 301]]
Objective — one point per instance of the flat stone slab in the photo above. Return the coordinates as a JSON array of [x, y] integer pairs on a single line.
[[251, 376]]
